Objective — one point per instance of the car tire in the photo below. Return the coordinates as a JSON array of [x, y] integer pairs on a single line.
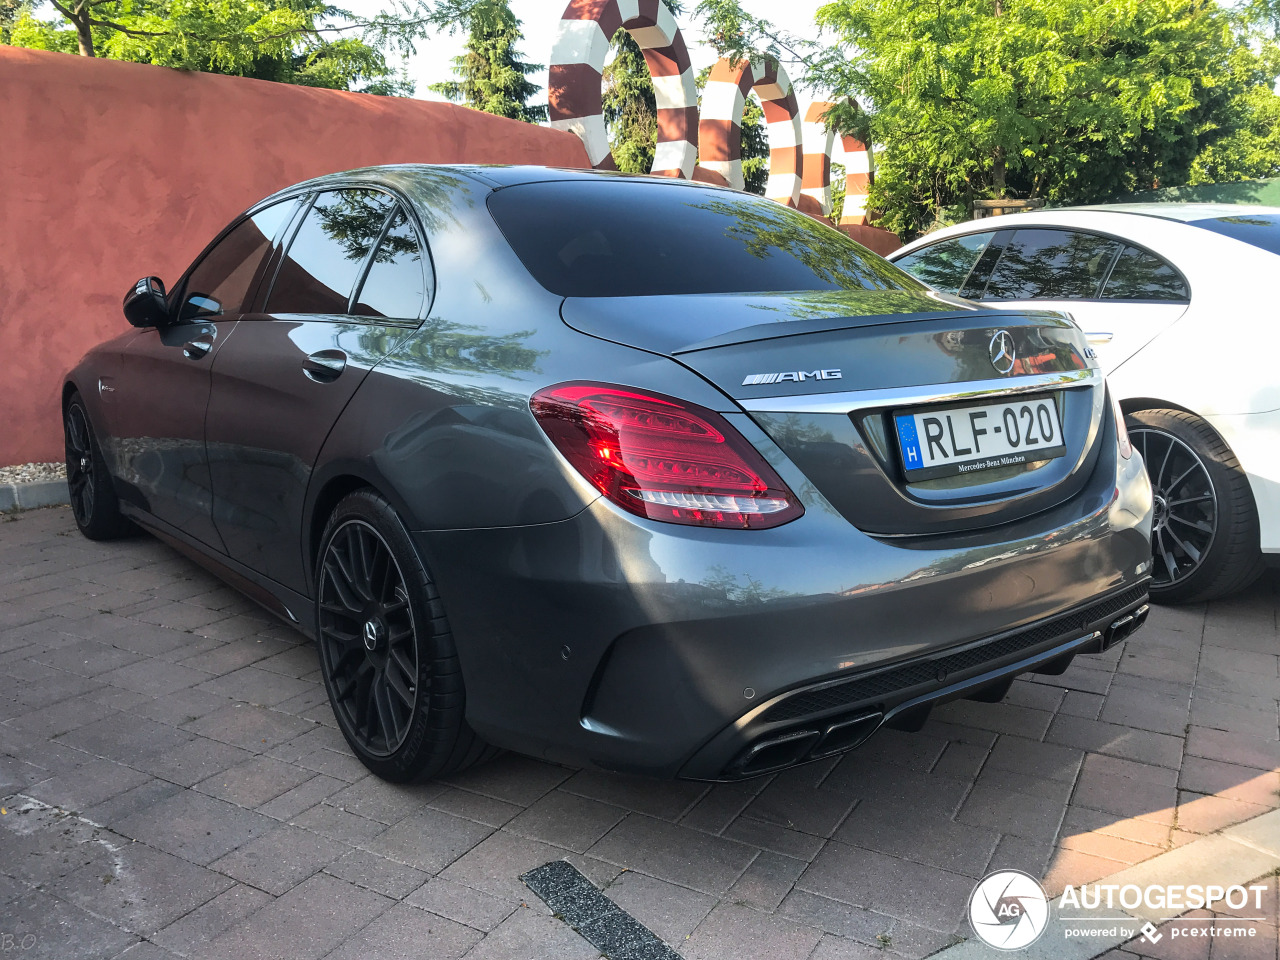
[[1205, 541], [94, 504], [386, 651]]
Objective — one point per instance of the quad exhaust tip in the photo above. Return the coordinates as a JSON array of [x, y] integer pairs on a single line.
[[786, 749], [1125, 627]]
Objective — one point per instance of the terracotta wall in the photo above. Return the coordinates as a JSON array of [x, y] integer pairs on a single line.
[[111, 171]]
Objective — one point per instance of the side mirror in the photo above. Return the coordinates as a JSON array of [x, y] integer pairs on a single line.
[[145, 305]]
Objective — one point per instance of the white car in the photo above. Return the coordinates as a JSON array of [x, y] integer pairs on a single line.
[[1179, 302]]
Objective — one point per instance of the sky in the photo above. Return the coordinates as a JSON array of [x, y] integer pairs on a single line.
[[433, 61]]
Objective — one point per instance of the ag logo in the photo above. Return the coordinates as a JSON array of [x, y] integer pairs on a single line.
[[1008, 910]]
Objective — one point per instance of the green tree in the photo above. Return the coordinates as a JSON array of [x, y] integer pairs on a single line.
[[295, 41], [1070, 100], [492, 77]]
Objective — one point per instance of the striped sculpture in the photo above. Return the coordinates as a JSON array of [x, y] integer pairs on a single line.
[[815, 183], [860, 173], [577, 62], [720, 129]]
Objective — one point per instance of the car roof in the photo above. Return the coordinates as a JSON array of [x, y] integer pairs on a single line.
[[1185, 212], [492, 175]]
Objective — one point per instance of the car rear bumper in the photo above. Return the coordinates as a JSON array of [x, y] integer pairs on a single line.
[[658, 649]]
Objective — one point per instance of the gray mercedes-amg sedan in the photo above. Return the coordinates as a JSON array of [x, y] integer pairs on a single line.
[[616, 470]]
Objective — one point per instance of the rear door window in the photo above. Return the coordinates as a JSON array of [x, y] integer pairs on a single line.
[[946, 265], [1141, 275], [1044, 264], [395, 285], [328, 253]]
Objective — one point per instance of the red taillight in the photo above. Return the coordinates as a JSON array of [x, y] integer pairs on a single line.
[[663, 458]]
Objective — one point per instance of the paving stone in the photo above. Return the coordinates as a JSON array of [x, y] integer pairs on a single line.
[[335, 823], [462, 903], [767, 881], [304, 924], [474, 806], [86, 658], [854, 778], [391, 879], [343, 765], [928, 839], [495, 865], [925, 895], [512, 778], [1230, 780], [731, 932], [771, 836], [179, 707], [1117, 741], [126, 738], [403, 932], [791, 801], [1072, 867], [195, 827], [527, 934], [252, 685], [429, 840], [997, 809], [132, 802], [670, 911], [306, 796], [1035, 759], [665, 799], [87, 785], [1231, 718], [155, 677], [211, 920], [140, 889], [61, 717], [62, 931], [281, 859], [722, 804], [1022, 853], [838, 948], [567, 820], [253, 782], [385, 802], [253, 728], [192, 762], [670, 852]]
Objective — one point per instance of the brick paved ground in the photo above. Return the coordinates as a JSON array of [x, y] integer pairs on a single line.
[[177, 787]]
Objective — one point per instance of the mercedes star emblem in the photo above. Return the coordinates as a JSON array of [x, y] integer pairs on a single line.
[[1002, 352]]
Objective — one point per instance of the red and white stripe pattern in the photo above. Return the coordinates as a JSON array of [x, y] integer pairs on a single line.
[[860, 173], [577, 62], [720, 130], [815, 185]]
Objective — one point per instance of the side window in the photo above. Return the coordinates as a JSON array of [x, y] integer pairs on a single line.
[[219, 283], [945, 266], [396, 282], [328, 252], [1051, 265], [1139, 275]]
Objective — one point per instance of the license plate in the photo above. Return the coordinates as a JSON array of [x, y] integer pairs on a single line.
[[983, 436]]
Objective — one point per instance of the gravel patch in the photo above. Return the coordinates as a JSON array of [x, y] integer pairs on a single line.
[[28, 472]]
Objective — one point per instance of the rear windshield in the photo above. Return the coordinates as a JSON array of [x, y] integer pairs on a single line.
[[626, 238], [1256, 229]]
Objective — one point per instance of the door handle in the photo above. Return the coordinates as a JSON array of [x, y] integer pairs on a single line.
[[324, 366], [197, 348], [1099, 337]]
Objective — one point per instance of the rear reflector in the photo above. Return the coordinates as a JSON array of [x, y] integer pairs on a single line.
[[1122, 431], [663, 458]]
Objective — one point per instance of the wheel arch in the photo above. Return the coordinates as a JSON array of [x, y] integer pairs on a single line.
[[326, 499], [1131, 405]]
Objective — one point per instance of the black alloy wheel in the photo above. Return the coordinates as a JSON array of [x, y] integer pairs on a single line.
[[93, 500], [370, 643], [1204, 534], [386, 652]]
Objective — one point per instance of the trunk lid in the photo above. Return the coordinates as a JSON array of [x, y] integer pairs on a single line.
[[828, 374]]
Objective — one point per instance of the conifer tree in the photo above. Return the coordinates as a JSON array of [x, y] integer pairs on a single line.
[[491, 75]]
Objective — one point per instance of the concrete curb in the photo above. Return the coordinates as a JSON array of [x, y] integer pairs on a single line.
[[1237, 854], [28, 496]]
